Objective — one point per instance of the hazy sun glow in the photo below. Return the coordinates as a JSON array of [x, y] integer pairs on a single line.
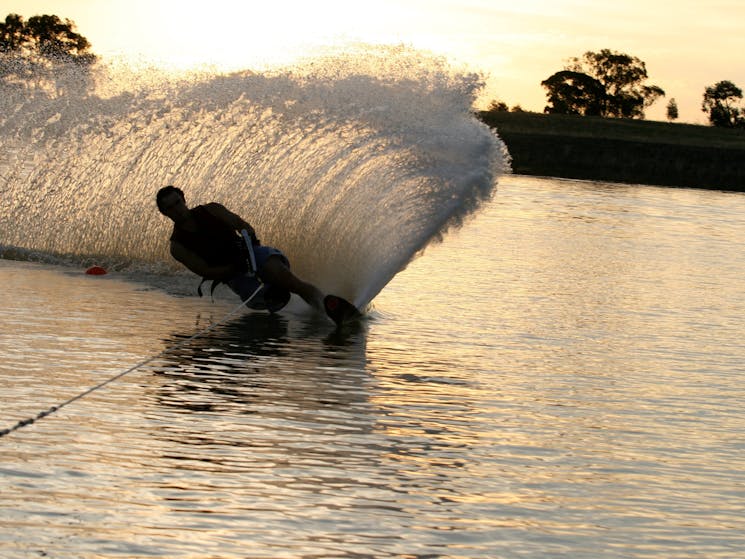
[[686, 46], [235, 35]]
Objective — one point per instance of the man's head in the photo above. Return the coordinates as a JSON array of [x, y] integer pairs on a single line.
[[167, 196]]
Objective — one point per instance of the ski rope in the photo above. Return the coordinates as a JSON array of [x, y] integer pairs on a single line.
[[53, 409]]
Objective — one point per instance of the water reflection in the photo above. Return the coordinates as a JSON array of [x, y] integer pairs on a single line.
[[561, 377], [288, 376], [259, 356], [274, 421]]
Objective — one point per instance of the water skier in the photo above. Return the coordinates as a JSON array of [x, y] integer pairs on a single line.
[[206, 240]]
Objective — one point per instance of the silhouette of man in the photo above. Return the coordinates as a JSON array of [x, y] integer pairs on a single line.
[[206, 240]]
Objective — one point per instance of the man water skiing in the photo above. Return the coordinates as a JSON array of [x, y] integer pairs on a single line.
[[206, 240]]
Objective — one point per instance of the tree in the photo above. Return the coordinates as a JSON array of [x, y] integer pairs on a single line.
[[619, 76], [719, 102], [672, 110], [41, 50], [574, 93], [497, 106]]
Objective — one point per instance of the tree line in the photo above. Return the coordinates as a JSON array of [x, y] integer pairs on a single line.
[[606, 83], [41, 51], [612, 84]]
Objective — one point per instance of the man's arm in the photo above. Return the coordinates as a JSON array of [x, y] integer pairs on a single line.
[[197, 264], [234, 221]]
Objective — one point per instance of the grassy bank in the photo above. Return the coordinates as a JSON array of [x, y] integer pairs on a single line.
[[623, 150]]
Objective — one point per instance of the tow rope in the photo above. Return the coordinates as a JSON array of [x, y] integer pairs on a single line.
[[53, 409]]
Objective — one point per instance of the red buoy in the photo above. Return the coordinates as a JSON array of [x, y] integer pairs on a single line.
[[95, 271]]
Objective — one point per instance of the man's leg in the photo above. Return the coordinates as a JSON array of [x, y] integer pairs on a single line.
[[277, 273]]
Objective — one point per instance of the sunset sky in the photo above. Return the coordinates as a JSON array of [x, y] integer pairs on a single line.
[[686, 45]]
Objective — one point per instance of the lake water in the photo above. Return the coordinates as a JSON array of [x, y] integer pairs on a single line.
[[562, 377]]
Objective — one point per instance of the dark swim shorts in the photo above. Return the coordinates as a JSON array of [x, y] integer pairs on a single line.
[[270, 297]]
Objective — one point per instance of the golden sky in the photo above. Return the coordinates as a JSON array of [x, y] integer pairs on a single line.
[[687, 45]]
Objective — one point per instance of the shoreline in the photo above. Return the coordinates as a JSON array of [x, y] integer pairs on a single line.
[[622, 150]]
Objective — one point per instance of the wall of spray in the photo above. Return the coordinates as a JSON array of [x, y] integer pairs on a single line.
[[351, 164]]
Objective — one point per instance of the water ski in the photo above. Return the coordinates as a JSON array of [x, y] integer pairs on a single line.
[[340, 310]]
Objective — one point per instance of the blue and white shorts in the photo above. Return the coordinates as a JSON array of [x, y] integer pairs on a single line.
[[270, 297]]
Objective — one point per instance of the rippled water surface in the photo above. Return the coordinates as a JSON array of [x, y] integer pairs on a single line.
[[563, 377]]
